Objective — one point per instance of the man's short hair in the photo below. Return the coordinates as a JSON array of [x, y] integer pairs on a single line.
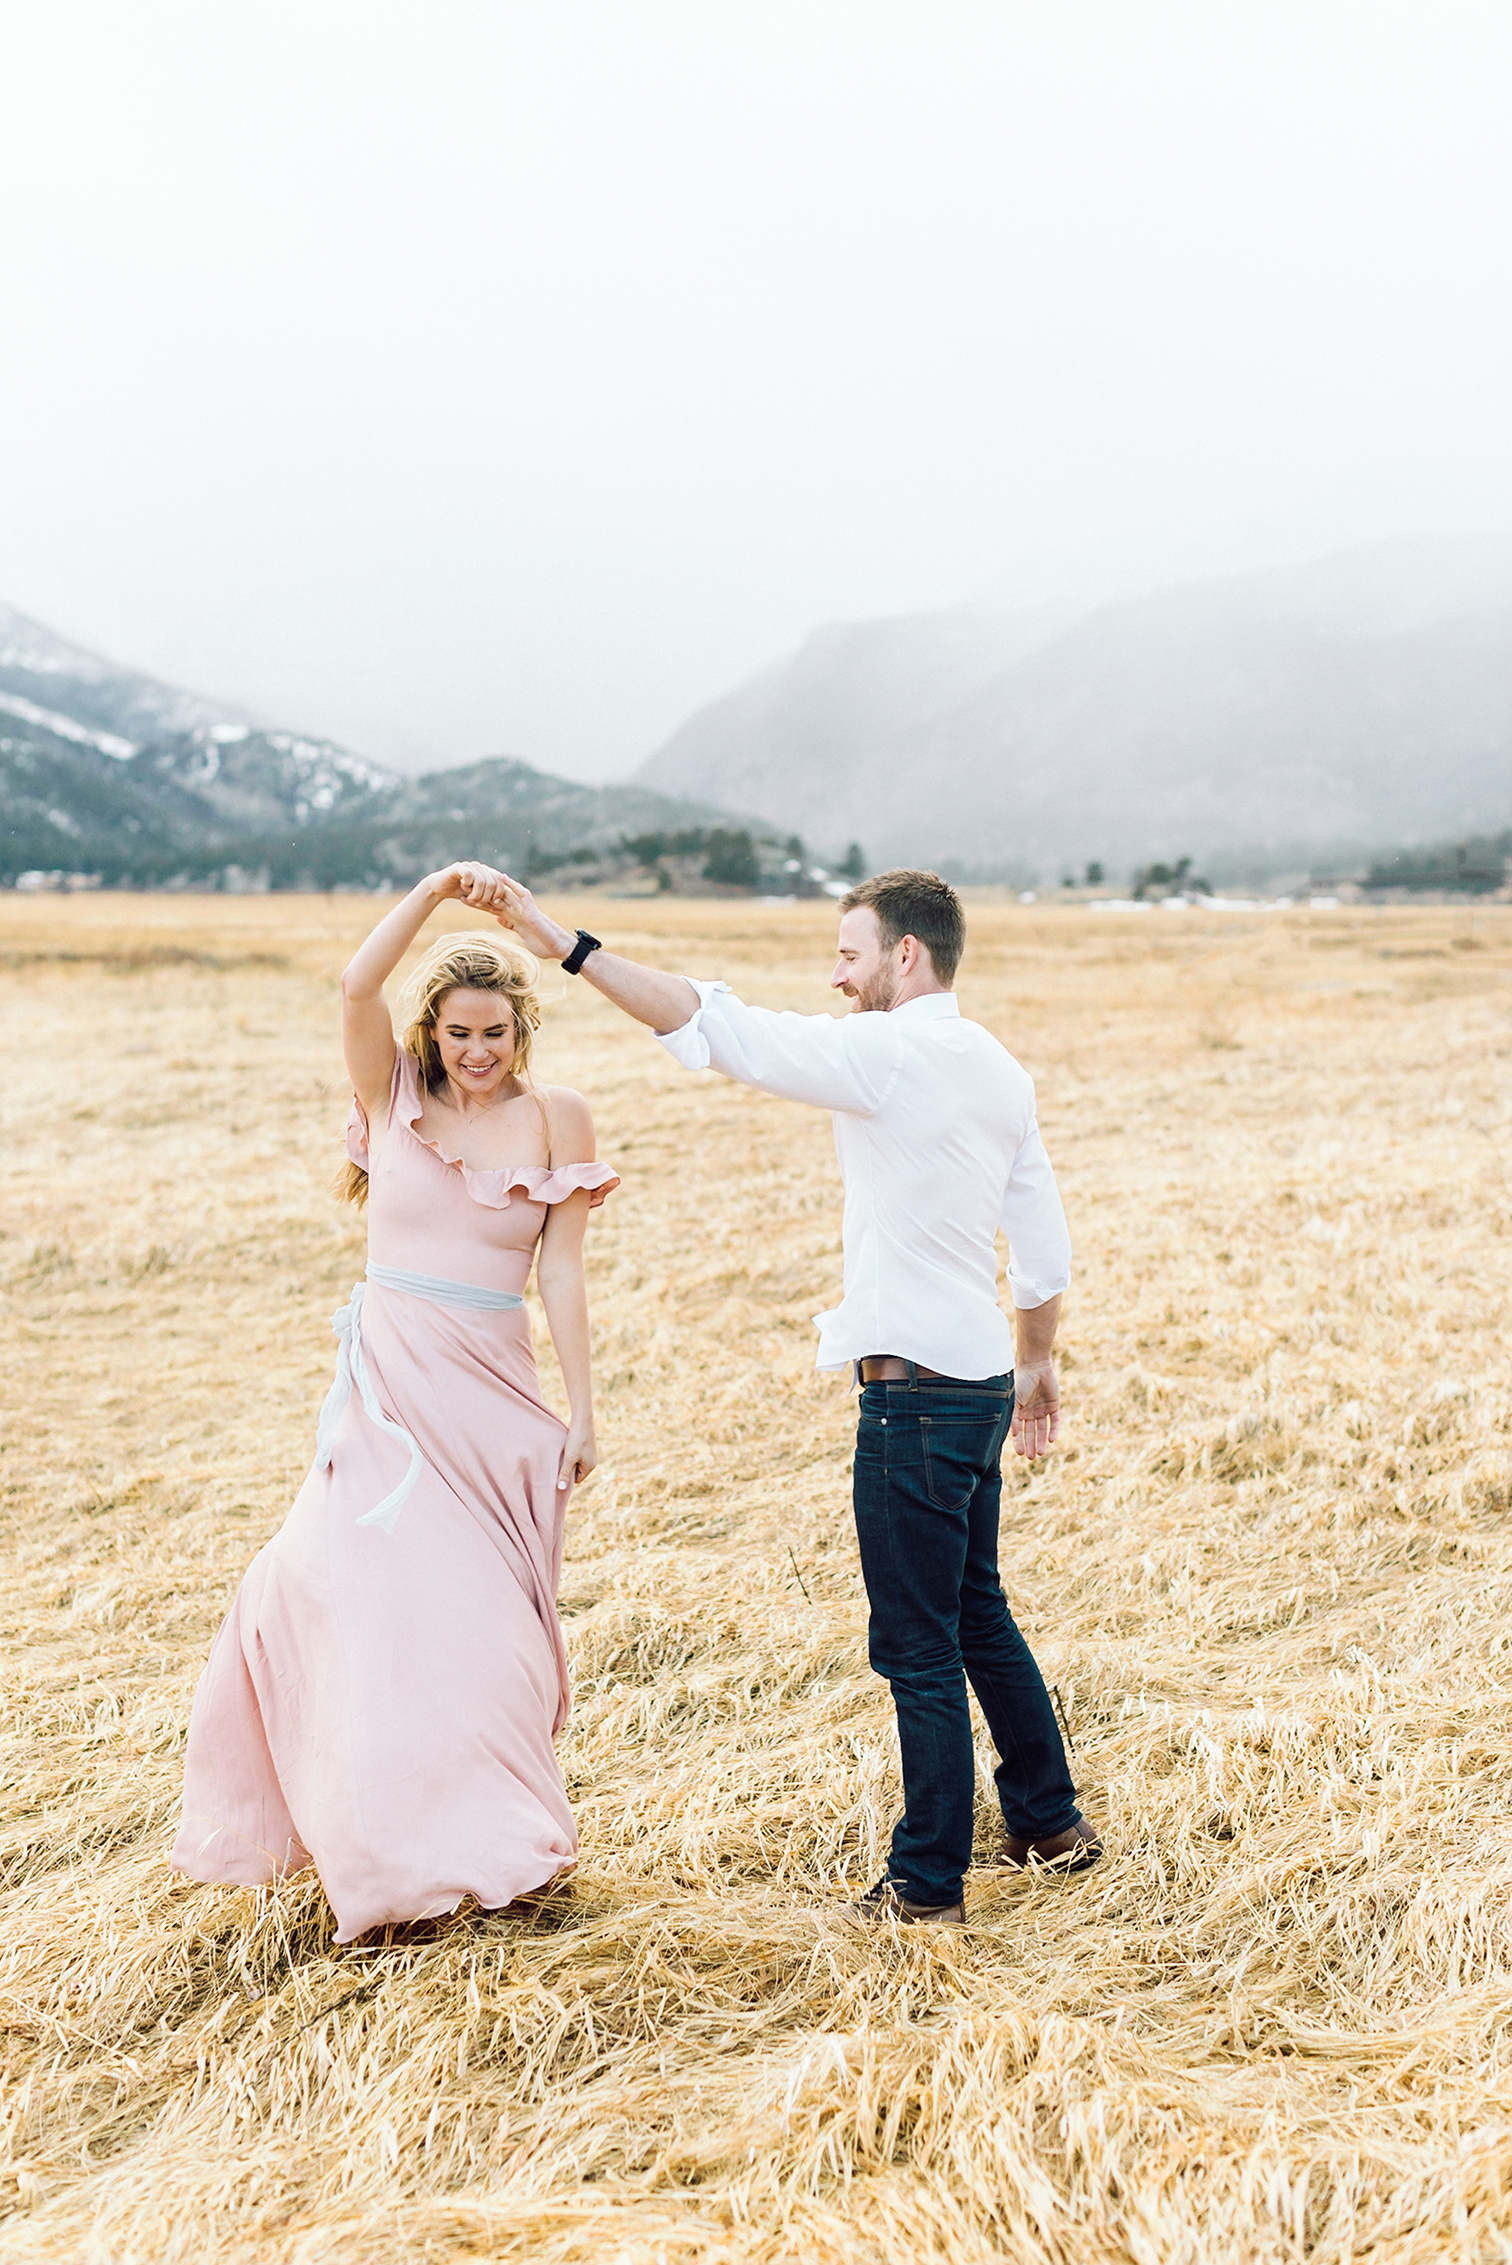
[[908, 903]]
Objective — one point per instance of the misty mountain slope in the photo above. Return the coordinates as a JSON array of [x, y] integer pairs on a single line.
[[801, 743], [512, 798], [1132, 737], [499, 809], [62, 679], [1360, 700], [255, 780], [185, 806], [157, 818], [1402, 582], [65, 805]]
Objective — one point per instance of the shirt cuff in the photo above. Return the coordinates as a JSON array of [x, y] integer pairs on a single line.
[[1028, 1294], [688, 1046]]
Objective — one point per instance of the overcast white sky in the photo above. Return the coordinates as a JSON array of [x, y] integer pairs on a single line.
[[482, 378]]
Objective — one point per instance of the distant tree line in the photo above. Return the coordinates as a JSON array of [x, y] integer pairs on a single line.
[[1468, 868], [1169, 881], [551, 860], [377, 855], [732, 858]]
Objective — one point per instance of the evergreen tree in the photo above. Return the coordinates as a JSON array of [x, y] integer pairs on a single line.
[[731, 859]]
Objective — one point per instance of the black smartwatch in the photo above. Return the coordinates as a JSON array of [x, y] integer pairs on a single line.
[[573, 963]]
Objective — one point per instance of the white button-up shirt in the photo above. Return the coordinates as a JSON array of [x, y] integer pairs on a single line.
[[938, 1146]]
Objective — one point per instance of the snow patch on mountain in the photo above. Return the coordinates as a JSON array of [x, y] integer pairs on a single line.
[[96, 692], [320, 755], [64, 727]]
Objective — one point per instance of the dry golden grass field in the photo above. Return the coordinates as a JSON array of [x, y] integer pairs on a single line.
[[1269, 1568]]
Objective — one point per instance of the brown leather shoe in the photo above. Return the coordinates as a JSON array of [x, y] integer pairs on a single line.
[[886, 1901], [1069, 1851]]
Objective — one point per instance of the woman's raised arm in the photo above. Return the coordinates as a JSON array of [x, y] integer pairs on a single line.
[[367, 1033]]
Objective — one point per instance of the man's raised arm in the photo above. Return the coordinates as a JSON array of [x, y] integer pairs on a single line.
[[663, 1002], [821, 1059]]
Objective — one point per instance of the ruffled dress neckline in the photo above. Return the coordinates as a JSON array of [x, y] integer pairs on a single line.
[[493, 1188]]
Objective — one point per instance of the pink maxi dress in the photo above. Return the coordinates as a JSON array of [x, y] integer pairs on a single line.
[[382, 1697]]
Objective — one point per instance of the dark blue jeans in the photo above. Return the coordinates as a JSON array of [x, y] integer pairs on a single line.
[[928, 1485]]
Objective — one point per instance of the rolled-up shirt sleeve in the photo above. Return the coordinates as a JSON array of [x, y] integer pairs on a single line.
[[1034, 1220], [823, 1059]]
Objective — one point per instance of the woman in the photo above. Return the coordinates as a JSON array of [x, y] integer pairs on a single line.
[[382, 1698]]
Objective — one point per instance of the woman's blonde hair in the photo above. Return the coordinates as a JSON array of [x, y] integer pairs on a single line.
[[460, 963]]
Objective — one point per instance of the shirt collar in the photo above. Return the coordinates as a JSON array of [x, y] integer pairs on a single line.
[[932, 1006]]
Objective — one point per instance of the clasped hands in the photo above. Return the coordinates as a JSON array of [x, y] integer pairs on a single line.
[[486, 889]]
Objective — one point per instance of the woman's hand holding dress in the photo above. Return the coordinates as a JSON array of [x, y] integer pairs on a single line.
[[579, 1453]]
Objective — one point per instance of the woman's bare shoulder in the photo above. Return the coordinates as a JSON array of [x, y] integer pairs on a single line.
[[571, 1124]]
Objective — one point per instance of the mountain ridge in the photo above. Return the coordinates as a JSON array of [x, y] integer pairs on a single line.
[[101, 695], [109, 772], [1360, 700]]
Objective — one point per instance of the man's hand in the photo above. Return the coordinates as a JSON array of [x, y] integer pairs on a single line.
[[662, 1002], [1036, 1395], [513, 906], [1036, 1408], [486, 889]]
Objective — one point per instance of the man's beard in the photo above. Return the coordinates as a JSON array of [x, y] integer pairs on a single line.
[[877, 996]]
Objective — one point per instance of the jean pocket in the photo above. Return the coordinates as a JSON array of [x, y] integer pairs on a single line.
[[957, 1453]]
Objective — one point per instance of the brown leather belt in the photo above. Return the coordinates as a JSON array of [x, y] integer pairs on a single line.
[[887, 1368]]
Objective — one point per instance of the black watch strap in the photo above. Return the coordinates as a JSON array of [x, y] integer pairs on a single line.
[[573, 963]]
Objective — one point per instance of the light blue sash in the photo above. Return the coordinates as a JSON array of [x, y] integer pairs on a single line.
[[440, 1291], [352, 1369]]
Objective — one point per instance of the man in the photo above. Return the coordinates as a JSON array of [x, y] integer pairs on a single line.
[[938, 1146]]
